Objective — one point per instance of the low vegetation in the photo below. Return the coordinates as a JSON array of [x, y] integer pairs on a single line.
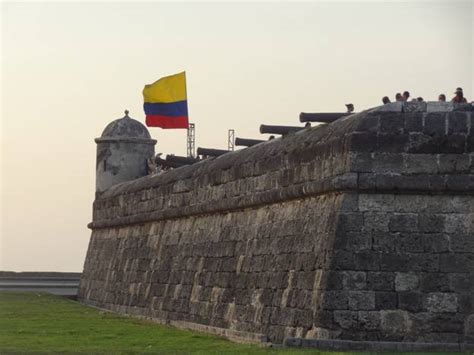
[[36, 322]]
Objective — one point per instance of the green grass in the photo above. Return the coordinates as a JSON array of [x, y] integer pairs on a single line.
[[34, 322]]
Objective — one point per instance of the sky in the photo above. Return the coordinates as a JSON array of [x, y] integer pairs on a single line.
[[70, 68]]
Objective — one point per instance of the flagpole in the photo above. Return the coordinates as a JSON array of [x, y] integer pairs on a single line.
[[190, 137]]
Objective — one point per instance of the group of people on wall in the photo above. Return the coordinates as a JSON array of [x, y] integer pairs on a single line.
[[459, 97]]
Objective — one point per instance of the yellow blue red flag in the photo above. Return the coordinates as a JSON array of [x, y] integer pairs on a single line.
[[166, 102]]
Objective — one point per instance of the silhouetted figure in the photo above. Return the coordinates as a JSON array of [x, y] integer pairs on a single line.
[[442, 98], [406, 95], [386, 100], [398, 97], [350, 108], [419, 99], [459, 96]]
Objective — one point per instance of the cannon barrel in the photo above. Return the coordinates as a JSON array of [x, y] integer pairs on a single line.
[[247, 142], [211, 152], [181, 160], [279, 129], [324, 117], [166, 164]]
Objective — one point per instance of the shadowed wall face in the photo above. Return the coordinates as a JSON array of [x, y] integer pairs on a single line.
[[362, 229]]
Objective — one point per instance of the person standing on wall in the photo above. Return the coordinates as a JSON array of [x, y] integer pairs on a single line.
[[459, 98]]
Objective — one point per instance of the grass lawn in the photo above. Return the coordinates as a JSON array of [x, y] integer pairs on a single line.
[[34, 322]]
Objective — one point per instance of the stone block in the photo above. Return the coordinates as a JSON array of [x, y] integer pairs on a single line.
[[366, 260], [431, 222], [392, 124], [457, 223], [394, 262], [363, 142], [409, 242], [441, 302], [451, 163], [350, 221], [456, 262], [331, 280], [459, 283], [376, 221], [426, 262], [403, 222], [454, 144], [469, 328], [436, 242], [346, 319], [457, 122], [386, 300], [358, 241], [377, 203], [369, 320], [388, 163], [410, 301], [395, 322], [380, 281], [361, 300], [465, 303], [461, 182], [324, 319], [421, 143], [421, 163], [392, 143], [383, 241], [434, 281], [303, 318], [414, 122], [354, 280], [332, 300], [406, 281], [435, 124]]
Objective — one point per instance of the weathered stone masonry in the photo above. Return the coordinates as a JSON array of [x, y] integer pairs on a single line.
[[362, 229]]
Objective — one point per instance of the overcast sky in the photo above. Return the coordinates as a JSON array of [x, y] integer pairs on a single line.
[[68, 69]]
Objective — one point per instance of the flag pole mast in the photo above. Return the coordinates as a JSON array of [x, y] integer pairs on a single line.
[[191, 137]]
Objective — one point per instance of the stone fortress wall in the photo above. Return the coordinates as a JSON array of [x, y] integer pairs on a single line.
[[362, 229]]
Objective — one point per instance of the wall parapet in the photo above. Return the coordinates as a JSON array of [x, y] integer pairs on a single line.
[[401, 147]]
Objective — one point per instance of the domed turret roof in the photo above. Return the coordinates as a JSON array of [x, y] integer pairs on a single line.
[[125, 127]]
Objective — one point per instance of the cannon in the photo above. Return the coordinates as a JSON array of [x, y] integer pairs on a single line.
[[279, 129], [211, 152], [166, 164], [247, 142], [181, 160], [323, 117]]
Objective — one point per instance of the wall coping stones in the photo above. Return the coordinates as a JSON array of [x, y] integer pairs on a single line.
[[345, 345]]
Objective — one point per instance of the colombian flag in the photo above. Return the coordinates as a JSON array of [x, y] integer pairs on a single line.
[[166, 104]]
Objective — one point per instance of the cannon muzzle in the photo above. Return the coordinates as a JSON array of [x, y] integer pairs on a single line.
[[247, 142], [279, 129], [323, 117]]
